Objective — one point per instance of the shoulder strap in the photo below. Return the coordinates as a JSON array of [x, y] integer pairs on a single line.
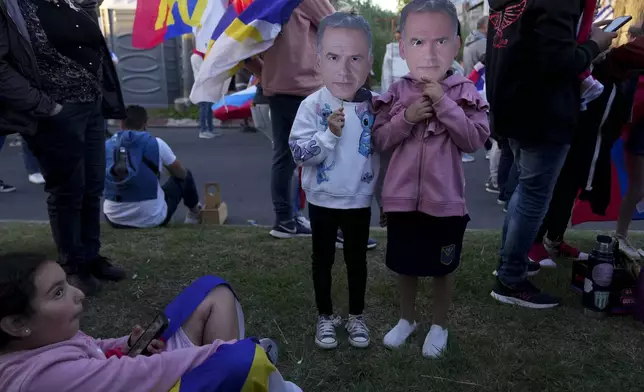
[[151, 165]]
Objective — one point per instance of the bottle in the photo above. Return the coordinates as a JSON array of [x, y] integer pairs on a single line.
[[599, 277], [120, 169]]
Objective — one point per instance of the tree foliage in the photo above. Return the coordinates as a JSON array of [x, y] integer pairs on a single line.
[[380, 22]]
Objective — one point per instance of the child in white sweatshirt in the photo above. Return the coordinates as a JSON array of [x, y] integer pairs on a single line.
[[331, 140]]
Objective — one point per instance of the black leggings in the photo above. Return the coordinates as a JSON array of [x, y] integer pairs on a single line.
[[354, 224]]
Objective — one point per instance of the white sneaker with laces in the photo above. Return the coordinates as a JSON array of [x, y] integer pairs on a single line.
[[325, 332], [358, 331], [435, 342], [399, 334], [193, 218], [36, 178], [625, 246]]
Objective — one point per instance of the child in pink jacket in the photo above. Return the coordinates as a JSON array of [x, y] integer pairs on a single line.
[[426, 121], [42, 348]]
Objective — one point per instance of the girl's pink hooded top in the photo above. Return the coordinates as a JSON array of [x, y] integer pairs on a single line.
[[80, 364], [425, 172]]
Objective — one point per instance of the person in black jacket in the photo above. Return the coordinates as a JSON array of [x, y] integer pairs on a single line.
[[57, 82], [534, 63]]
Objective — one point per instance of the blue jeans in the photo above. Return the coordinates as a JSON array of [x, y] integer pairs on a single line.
[[31, 163], [539, 169], [205, 117], [507, 176]]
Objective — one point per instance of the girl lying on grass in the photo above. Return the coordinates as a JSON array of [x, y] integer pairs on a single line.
[[42, 348]]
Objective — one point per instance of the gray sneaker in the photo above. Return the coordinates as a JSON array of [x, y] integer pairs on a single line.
[[272, 351], [325, 332], [358, 331]]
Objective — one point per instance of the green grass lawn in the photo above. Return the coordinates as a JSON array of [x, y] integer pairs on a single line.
[[492, 347]]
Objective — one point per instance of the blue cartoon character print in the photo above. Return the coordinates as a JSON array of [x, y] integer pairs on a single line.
[[366, 122], [367, 178], [322, 172], [305, 152], [324, 113]]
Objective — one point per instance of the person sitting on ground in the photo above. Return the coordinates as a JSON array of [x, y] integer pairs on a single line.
[[134, 197], [42, 348]]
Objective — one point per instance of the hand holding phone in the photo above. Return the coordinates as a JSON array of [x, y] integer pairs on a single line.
[[617, 23], [146, 341]]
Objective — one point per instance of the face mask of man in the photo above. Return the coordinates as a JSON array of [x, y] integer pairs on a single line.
[[345, 61]]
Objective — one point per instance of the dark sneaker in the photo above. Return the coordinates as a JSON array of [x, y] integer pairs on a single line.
[[102, 269], [491, 187], [290, 229], [339, 242], [6, 188], [533, 269], [523, 294], [358, 331], [86, 283], [271, 349]]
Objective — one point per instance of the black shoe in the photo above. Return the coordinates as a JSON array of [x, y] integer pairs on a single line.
[[6, 188], [85, 282], [523, 294], [290, 229], [102, 269]]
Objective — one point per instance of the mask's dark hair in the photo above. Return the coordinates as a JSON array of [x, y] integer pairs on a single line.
[[136, 118], [17, 288]]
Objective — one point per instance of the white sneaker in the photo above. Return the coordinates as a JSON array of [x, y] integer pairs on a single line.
[[271, 349], [301, 219], [325, 332], [36, 178], [399, 334], [193, 218], [435, 342], [358, 331], [627, 248], [206, 135]]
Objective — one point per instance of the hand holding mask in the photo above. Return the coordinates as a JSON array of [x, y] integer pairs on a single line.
[[336, 122]]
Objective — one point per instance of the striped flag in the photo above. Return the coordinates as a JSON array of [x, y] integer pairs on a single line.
[[247, 28], [156, 21]]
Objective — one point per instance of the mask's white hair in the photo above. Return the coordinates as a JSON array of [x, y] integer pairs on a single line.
[[346, 18], [443, 6]]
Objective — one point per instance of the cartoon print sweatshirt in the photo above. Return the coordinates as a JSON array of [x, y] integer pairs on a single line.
[[338, 172]]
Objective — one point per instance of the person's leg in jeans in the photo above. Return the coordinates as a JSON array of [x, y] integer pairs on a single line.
[[31, 165], [206, 129], [506, 161], [324, 225], [492, 184], [355, 228], [549, 239], [538, 168], [283, 110], [60, 149], [175, 191], [634, 154]]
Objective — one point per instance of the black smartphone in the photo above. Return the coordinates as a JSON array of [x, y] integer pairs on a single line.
[[617, 23], [153, 331]]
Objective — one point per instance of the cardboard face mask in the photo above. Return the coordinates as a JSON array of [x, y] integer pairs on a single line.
[[345, 61], [429, 44]]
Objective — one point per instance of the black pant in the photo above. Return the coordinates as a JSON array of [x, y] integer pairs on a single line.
[[563, 198], [174, 190], [355, 228], [70, 148], [283, 110]]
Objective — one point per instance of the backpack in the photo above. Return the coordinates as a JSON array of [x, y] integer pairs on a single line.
[[132, 167]]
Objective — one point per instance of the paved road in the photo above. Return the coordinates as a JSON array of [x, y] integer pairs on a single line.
[[240, 162]]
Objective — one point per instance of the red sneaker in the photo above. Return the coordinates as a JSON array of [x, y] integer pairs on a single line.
[[539, 254], [563, 249]]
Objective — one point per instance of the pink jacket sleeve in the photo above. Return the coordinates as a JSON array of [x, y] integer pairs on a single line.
[[109, 344], [466, 118], [390, 128], [155, 373]]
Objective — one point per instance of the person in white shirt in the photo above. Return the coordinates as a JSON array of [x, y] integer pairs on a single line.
[[134, 197], [331, 141], [206, 125]]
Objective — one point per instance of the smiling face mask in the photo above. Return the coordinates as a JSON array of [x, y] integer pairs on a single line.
[[345, 61], [429, 44]]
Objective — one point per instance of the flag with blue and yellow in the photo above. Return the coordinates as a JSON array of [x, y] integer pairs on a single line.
[[247, 28], [156, 21], [239, 367]]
